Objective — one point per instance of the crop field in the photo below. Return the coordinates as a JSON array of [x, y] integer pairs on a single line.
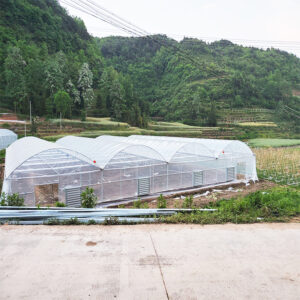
[[281, 165], [273, 142], [258, 124]]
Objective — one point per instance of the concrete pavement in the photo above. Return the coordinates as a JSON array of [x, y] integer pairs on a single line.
[[260, 261]]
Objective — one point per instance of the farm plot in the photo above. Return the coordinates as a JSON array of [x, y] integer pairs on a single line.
[[281, 165]]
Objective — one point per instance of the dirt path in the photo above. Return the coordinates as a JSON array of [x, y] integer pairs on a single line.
[[259, 261]]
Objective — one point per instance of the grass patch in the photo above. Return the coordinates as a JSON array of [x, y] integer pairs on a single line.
[[276, 205], [106, 121], [273, 142], [258, 124]]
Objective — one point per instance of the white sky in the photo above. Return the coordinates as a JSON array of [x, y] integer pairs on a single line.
[[268, 22]]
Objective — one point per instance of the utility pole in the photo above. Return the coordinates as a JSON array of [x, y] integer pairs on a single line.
[[30, 111]]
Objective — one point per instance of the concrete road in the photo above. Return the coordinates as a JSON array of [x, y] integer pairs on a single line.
[[259, 261]]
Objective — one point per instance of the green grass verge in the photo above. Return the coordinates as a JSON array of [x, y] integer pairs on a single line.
[[275, 205], [273, 142]]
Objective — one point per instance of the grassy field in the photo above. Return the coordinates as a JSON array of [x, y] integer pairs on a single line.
[[273, 142]]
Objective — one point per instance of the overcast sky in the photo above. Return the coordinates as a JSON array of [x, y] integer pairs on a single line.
[[261, 23]]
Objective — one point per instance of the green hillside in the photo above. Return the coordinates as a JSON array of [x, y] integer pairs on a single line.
[[49, 59], [182, 86]]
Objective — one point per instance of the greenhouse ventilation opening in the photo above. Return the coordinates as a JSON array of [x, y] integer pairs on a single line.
[[121, 167], [7, 137]]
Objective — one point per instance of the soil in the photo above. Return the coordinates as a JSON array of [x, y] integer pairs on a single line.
[[10, 117], [212, 195]]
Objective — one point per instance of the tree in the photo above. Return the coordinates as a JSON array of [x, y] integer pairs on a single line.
[[118, 102], [55, 73], [14, 70], [62, 102], [72, 91], [212, 116], [85, 83]]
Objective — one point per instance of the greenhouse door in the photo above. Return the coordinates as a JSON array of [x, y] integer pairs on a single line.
[[143, 186], [73, 197], [46, 195]]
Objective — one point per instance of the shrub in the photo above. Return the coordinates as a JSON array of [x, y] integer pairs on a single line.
[[11, 200], [137, 203], [145, 205], [161, 202], [3, 199], [88, 198], [60, 204], [188, 202], [91, 222]]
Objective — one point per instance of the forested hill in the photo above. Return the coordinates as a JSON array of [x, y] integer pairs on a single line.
[[49, 59], [181, 84]]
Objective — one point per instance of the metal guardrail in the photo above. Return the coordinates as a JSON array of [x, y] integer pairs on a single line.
[[33, 215]]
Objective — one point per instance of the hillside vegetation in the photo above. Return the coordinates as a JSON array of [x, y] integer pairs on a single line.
[[220, 76], [48, 58]]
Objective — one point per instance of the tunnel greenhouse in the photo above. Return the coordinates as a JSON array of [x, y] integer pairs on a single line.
[[121, 167], [7, 137]]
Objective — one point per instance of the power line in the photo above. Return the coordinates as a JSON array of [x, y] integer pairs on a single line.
[[93, 9], [292, 109], [288, 111]]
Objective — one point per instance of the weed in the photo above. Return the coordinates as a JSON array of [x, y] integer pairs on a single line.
[[188, 202], [161, 202], [91, 222], [145, 205], [111, 221], [71, 221], [137, 203], [60, 204], [52, 221]]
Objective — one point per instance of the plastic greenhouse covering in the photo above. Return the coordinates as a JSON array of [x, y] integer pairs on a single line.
[[121, 167], [7, 137]]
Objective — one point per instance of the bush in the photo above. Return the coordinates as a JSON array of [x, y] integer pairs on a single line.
[[137, 203], [60, 204], [3, 199], [145, 205], [188, 202], [11, 200], [88, 198], [161, 202]]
